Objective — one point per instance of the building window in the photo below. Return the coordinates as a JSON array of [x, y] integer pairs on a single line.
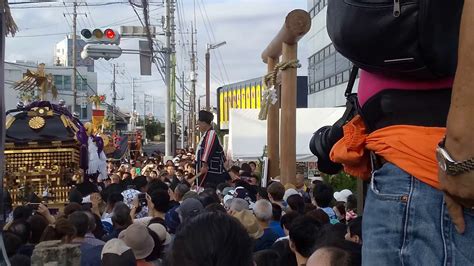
[[328, 69], [318, 5], [84, 113], [345, 75], [81, 83], [330, 66], [58, 82], [67, 83], [339, 78]]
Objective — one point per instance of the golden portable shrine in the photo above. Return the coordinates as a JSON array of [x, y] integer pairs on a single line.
[[42, 152], [47, 150]]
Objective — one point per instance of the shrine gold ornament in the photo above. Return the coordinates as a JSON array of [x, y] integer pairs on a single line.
[[36, 122]]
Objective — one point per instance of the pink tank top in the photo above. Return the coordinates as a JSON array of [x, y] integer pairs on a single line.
[[370, 84]]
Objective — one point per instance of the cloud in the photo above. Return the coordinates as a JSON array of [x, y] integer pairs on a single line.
[[246, 25]]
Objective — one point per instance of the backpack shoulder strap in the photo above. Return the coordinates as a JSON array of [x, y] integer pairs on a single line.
[[352, 79]]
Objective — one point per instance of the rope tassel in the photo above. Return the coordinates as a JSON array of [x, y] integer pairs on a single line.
[[270, 95]]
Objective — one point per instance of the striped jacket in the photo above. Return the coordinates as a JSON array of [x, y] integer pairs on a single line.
[[211, 152]]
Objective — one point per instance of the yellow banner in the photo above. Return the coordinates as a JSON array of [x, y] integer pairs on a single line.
[[97, 122], [237, 93], [247, 97], [252, 98], [242, 98], [258, 95], [221, 106], [226, 106], [230, 103]]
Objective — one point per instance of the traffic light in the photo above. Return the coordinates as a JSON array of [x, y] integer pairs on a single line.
[[108, 36], [101, 44], [96, 51]]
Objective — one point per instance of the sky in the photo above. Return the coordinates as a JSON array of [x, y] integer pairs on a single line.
[[246, 25]]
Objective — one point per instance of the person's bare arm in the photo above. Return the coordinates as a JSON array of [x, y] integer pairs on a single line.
[[460, 125]]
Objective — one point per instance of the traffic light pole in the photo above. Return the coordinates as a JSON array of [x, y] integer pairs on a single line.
[[193, 90], [114, 102], [74, 57], [182, 109]]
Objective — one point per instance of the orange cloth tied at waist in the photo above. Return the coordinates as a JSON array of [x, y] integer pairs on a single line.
[[412, 148]]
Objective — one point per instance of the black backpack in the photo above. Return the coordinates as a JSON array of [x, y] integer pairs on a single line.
[[400, 38]]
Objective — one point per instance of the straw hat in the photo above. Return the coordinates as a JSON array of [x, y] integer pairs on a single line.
[[136, 236], [160, 230], [248, 220]]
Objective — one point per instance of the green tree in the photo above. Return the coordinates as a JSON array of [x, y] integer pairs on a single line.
[[341, 181], [153, 128]]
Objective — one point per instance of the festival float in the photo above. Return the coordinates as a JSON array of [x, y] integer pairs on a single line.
[[47, 149]]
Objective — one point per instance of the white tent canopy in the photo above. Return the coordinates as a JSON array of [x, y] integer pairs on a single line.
[[248, 135]]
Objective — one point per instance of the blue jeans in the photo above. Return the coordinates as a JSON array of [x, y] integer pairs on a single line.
[[406, 223]]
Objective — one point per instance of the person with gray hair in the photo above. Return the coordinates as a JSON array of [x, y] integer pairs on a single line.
[[179, 192], [263, 212], [121, 219], [237, 205], [89, 237]]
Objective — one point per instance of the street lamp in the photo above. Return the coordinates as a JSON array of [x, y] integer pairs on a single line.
[[208, 71]]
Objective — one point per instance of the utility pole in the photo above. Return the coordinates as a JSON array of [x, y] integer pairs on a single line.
[[174, 126], [208, 79], [208, 72], [168, 135], [134, 107], [74, 56], [144, 109], [153, 105], [114, 102], [182, 111], [193, 90]]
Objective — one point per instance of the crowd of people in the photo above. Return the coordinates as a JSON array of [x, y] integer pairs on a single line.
[[150, 212]]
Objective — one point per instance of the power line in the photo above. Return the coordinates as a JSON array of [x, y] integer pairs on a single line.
[[214, 37], [91, 17], [41, 35], [213, 76], [118, 22], [91, 4], [208, 31]]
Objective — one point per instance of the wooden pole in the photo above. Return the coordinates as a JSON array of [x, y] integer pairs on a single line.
[[273, 131], [288, 116], [297, 24]]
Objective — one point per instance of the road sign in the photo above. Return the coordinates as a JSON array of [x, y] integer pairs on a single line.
[[96, 51]]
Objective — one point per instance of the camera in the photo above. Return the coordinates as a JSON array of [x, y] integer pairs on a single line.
[[142, 200], [326, 137]]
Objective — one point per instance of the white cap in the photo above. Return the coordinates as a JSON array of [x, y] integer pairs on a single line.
[[316, 178], [342, 195], [290, 192]]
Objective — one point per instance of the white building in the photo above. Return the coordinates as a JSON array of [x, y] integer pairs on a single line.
[[86, 85], [63, 53], [328, 71]]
